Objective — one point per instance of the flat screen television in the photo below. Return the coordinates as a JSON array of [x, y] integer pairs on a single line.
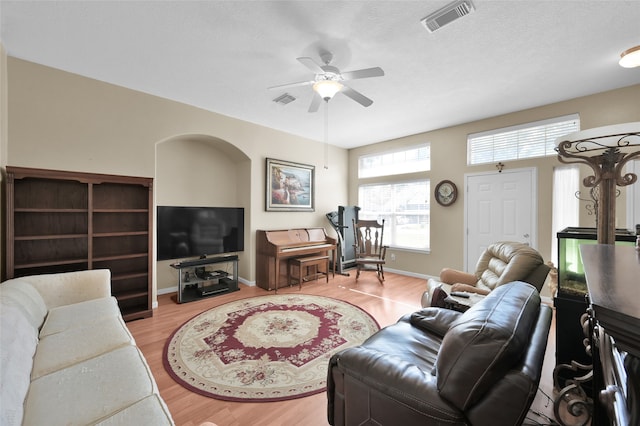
[[199, 231]]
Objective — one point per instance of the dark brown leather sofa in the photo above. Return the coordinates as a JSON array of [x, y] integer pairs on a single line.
[[442, 367]]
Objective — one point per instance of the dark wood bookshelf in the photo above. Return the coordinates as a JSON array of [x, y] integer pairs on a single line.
[[61, 221]]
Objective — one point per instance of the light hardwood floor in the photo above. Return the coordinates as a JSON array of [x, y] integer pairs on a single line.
[[386, 303]]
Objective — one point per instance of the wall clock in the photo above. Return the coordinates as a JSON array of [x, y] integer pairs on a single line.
[[446, 193]]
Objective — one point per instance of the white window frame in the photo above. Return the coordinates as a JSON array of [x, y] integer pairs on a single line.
[[529, 140], [565, 210], [396, 162], [400, 173]]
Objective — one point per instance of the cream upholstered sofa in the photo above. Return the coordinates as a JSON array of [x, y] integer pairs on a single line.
[[67, 357], [501, 263]]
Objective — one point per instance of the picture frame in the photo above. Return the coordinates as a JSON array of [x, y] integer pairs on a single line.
[[289, 186]]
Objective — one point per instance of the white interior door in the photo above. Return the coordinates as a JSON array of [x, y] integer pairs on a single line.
[[499, 207]]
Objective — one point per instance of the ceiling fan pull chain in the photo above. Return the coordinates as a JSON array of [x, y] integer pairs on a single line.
[[326, 135]]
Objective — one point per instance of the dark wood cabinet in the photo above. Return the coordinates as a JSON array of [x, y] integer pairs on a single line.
[[612, 279], [59, 221], [570, 301]]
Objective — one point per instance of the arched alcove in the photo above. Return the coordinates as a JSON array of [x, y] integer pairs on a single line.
[[201, 171]]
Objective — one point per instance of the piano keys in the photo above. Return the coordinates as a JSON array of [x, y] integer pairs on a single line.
[[275, 248]]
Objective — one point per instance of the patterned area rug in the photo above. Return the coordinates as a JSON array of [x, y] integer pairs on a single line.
[[267, 348]]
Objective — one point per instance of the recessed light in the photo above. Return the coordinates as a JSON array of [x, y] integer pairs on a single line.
[[630, 58]]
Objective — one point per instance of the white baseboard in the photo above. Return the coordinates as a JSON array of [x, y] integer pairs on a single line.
[[408, 274], [247, 283], [167, 290]]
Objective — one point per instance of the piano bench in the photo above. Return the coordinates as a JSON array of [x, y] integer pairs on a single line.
[[302, 263]]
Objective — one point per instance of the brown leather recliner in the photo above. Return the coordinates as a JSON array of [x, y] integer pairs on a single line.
[[442, 367], [501, 263]]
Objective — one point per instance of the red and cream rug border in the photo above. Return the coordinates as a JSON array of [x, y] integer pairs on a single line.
[[265, 348]]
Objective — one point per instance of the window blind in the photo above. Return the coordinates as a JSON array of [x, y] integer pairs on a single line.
[[536, 139]]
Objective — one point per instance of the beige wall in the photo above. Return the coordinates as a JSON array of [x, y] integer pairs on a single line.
[[3, 105], [67, 122], [448, 161], [63, 121], [201, 171], [3, 146]]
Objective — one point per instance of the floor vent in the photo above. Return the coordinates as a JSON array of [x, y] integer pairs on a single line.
[[447, 15]]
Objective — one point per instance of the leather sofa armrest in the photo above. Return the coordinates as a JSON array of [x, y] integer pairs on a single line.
[[538, 276], [520, 384], [399, 381], [486, 342], [434, 320], [452, 276]]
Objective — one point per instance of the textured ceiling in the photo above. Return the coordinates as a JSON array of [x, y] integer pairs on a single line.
[[223, 55]]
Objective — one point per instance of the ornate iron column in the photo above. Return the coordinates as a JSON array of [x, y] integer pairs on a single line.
[[606, 150]]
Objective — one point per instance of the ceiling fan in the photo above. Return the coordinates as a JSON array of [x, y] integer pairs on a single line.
[[329, 80]]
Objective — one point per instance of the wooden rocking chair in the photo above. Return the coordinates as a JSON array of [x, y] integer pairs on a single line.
[[368, 246]]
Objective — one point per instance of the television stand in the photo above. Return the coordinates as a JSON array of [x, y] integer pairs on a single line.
[[197, 278]]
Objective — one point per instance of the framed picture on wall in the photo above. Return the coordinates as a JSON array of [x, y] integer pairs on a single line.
[[290, 186]]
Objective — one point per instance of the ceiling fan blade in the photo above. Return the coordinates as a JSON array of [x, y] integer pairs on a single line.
[[311, 64], [364, 73], [315, 102], [356, 96], [284, 86]]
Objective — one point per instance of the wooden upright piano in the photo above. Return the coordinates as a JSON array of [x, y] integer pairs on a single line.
[[274, 248]]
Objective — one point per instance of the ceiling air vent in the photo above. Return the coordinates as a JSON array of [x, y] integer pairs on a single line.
[[447, 14], [284, 99]]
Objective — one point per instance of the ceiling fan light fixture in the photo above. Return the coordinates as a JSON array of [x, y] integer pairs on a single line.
[[327, 88], [630, 58]]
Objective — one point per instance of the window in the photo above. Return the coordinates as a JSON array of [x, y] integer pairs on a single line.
[[402, 203], [414, 159], [529, 140], [566, 183]]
